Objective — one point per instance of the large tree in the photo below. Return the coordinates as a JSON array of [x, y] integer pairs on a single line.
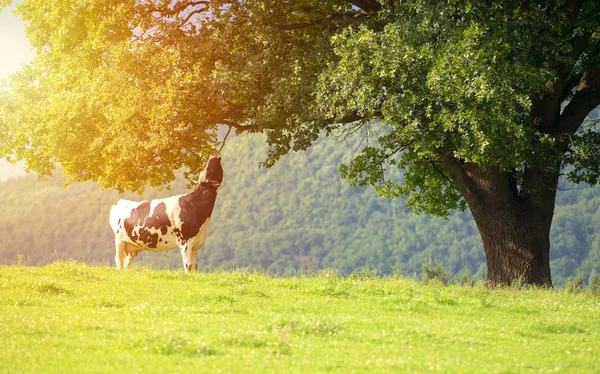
[[480, 103]]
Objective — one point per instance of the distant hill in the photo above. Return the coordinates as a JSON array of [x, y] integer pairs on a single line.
[[277, 219]]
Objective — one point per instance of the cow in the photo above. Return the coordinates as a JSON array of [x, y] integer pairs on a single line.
[[179, 221]]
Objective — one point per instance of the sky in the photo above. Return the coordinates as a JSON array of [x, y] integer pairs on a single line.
[[14, 52]]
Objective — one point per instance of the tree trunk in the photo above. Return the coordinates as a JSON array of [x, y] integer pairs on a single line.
[[516, 241], [514, 223]]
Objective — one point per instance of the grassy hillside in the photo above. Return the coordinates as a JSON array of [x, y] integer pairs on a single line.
[[275, 219], [74, 318]]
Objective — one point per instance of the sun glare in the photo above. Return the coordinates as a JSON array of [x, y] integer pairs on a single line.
[[14, 52], [14, 46]]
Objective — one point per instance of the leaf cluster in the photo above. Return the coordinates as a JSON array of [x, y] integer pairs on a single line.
[[452, 79], [124, 93]]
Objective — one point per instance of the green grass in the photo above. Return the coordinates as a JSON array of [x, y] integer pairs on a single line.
[[69, 317]]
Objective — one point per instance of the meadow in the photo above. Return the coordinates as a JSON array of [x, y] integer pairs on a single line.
[[69, 317]]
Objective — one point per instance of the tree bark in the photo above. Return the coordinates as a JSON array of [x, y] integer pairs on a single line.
[[514, 224], [516, 241]]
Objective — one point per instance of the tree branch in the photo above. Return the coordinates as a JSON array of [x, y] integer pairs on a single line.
[[572, 9], [352, 117], [586, 99], [238, 127], [546, 105], [368, 6], [180, 7], [318, 21], [441, 173], [192, 13], [225, 139]]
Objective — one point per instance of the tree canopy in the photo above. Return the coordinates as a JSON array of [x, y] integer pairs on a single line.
[[127, 92], [480, 103], [458, 80]]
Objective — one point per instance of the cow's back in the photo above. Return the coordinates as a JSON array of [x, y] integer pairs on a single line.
[[120, 211], [149, 225]]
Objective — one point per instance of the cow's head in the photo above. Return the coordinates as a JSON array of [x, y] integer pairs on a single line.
[[213, 173]]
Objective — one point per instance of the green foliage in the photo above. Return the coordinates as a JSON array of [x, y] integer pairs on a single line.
[[464, 279], [54, 316], [124, 93], [584, 159], [431, 272], [365, 273], [456, 79], [594, 281], [575, 284]]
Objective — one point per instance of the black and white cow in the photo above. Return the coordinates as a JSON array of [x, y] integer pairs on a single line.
[[174, 222]]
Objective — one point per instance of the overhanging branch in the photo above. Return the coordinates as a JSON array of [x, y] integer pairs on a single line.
[[238, 127], [180, 7], [319, 21], [587, 97], [572, 9], [367, 5], [192, 13]]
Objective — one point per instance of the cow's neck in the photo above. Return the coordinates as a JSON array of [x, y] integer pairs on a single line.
[[206, 185]]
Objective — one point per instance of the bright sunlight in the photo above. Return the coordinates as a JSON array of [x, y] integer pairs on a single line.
[[15, 51]]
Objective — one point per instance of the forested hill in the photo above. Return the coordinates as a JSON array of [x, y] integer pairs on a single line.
[[276, 219]]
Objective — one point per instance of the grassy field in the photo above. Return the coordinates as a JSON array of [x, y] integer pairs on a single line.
[[69, 317]]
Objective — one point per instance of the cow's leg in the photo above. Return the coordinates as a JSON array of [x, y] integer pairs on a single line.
[[189, 257], [120, 255], [194, 260]]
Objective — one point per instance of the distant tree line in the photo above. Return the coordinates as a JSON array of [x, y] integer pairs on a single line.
[[298, 213]]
